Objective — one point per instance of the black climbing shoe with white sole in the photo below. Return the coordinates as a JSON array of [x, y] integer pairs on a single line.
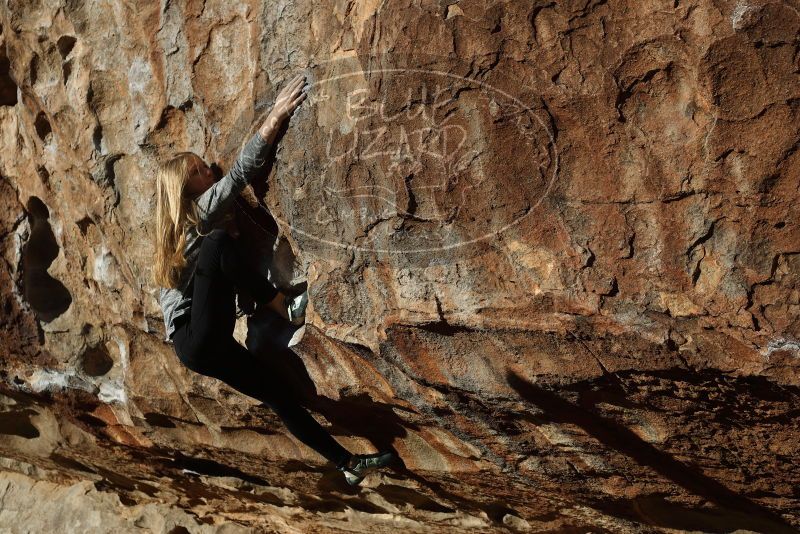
[[296, 308], [360, 464]]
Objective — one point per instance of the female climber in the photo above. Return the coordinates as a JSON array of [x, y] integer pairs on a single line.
[[199, 271]]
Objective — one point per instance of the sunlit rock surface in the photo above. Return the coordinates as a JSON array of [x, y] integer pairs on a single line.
[[551, 247]]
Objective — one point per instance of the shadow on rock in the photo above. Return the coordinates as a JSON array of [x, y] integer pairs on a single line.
[[733, 509]]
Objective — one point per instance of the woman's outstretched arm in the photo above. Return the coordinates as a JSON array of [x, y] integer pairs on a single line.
[[216, 200]]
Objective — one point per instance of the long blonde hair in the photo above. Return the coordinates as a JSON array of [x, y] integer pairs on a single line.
[[175, 213]]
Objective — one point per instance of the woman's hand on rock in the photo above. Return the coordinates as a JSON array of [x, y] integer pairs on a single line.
[[287, 101]]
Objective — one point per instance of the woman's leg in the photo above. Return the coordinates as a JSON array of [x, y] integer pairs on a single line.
[[206, 344], [219, 272], [236, 366]]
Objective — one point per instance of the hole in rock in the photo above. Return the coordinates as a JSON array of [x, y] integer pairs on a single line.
[[91, 420], [97, 138], [44, 175], [69, 463], [127, 501], [34, 69], [84, 224], [8, 88], [66, 70], [42, 126], [48, 297], [159, 420], [96, 361], [118, 482], [497, 510], [65, 45], [209, 467], [18, 424]]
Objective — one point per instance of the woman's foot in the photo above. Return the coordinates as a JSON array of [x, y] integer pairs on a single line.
[[296, 308], [360, 464]]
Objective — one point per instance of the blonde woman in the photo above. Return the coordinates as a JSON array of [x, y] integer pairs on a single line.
[[199, 272]]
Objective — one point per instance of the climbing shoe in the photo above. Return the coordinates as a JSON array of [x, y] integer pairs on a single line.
[[360, 464], [296, 308]]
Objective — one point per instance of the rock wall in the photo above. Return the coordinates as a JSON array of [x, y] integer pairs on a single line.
[[551, 248]]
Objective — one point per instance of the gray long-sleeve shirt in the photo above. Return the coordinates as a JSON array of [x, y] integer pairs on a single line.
[[212, 205]]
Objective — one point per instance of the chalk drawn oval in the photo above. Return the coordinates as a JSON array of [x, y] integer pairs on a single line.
[[411, 160]]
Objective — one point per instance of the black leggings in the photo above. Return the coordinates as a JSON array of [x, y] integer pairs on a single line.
[[204, 341]]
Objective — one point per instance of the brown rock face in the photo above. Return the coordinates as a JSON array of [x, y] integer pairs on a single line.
[[552, 253]]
